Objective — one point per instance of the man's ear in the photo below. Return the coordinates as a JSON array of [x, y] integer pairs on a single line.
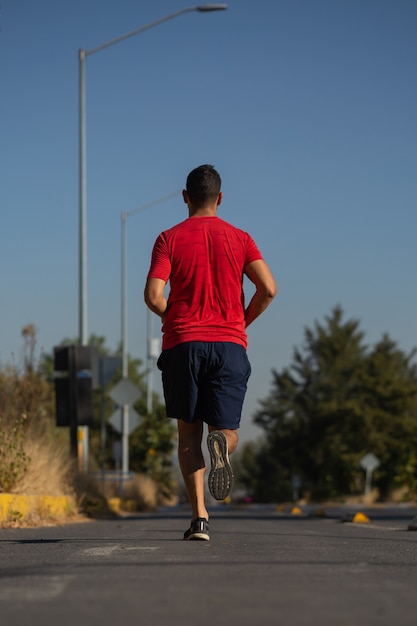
[[185, 196], [220, 198]]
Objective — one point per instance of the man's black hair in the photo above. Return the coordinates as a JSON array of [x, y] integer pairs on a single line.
[[203, 185]]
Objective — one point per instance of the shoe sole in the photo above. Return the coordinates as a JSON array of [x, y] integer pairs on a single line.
[[198, 537], [220, 479]]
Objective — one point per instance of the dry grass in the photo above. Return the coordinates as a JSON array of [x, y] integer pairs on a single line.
[[138, 494], [47, 484], [50, 467]]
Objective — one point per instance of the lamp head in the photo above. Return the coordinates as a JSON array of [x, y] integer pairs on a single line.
[[204, 8]]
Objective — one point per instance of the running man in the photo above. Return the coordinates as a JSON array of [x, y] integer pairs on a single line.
[[205, 368]]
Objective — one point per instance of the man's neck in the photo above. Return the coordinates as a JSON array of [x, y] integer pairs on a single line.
[[203, 212]]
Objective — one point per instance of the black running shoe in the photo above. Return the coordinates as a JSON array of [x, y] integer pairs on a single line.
[[220, 479], [199, 529]]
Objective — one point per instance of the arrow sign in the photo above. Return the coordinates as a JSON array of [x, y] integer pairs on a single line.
[[116, 420]]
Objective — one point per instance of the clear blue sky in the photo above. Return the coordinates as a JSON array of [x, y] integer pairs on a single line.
[[308, 109]]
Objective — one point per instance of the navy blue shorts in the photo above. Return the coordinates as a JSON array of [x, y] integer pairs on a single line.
[[205, 381]]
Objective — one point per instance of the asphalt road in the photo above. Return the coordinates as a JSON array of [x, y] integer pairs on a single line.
[[261, 566]]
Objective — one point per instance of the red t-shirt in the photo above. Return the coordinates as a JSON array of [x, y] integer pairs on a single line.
[[204, 259]]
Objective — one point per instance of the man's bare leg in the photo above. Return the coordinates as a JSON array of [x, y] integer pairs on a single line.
[[192, 465], [231, 436]]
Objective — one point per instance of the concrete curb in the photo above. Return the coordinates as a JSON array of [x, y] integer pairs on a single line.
[[23, 508]]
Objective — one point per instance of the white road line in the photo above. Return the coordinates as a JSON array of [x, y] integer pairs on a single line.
[[100, 551], [107, 550]]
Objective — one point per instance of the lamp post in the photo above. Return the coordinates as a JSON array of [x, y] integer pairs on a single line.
[[82, 55], [125, 368]]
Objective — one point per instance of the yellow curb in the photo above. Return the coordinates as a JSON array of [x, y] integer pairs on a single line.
[[17, 507], [114, 504], [296, 511], [360, 518]]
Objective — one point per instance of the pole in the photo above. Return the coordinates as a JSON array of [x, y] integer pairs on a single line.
[[82, 206], [368, 481], [83, 431], [125, 367], [125, 439]]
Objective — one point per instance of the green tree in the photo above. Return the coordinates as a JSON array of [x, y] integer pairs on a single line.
[[334, 403], [389, 391], [151, 448], [265, 476]]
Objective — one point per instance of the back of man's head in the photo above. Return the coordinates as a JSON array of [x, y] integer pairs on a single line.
[[203, 185]]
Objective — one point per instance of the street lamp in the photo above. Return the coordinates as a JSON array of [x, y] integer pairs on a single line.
[[125, 407], [82, 55]]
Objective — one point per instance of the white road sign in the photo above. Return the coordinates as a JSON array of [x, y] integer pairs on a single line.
[[124, 392], [116, 420], [369, 462]]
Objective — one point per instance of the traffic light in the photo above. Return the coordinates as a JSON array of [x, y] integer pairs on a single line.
[[73, 385], [62, 373]]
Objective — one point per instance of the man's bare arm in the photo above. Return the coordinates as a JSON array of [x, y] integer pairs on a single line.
[[154, 296], [259, 273]]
